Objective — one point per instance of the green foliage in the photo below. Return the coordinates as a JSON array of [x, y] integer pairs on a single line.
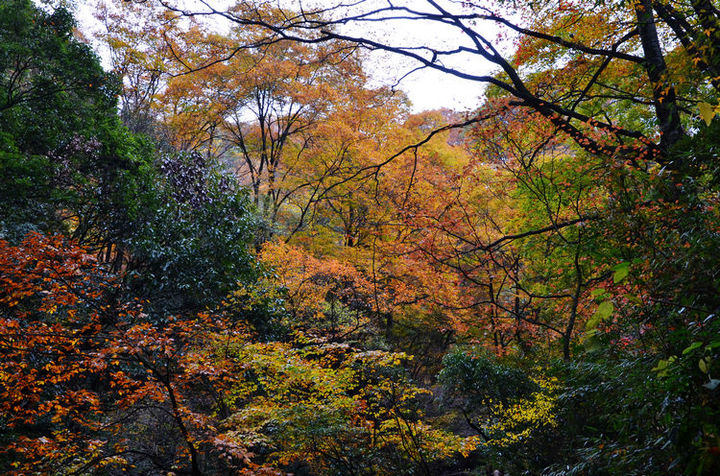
[[52, 84], [330, 409], [512, 409], [618, 418], [178, 226], [26, 190], [603, 312], [477, 377], [63, 152], [611, 250], [192, 231]]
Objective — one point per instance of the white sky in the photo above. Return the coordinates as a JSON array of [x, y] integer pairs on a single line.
[[425, 88], [433, 90]]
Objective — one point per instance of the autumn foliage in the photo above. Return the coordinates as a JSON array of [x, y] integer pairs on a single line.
[[238, 253]]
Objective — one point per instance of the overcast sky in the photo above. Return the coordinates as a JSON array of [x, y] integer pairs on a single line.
[[427, 89]]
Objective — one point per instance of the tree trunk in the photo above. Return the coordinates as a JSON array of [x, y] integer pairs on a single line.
[[664, 98]]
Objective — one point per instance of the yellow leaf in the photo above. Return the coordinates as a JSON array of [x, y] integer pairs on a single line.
[[704, 365], [707, 112]]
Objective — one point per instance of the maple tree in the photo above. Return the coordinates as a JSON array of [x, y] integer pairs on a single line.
[[80, 369], [334, 409], [138, 55], [273, 113], [590, 89]]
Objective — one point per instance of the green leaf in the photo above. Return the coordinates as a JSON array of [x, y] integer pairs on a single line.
[[592, 323], [707, 112], [597, 292], [712, 384], [691, 347], [712, 345], [663, 366], [621, 272], [604, 310]]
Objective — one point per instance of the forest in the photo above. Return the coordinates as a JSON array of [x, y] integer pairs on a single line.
[[226, 248]]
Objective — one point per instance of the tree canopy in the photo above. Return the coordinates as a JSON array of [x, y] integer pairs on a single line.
[[235, 252]]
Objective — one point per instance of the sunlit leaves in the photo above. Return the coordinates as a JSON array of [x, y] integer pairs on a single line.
[[707, 112]]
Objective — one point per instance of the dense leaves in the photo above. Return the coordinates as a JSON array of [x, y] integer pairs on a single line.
[[61, 143], [289, 273], [191, 231]]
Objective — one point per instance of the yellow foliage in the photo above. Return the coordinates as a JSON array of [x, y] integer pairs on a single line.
[[515, 422]]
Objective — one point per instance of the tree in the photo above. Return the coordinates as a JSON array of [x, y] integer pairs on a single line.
[[333, 409], [88, 384], [61, 141], [192, 226], [68, 163], [506, 406], [574, 67], [267, 112], [140, 55], [587, 214], [587, 43]]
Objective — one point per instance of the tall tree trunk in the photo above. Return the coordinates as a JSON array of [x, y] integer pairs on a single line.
[[664, 98]]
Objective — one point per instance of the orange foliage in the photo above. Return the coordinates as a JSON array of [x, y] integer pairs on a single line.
[[79, 366]]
